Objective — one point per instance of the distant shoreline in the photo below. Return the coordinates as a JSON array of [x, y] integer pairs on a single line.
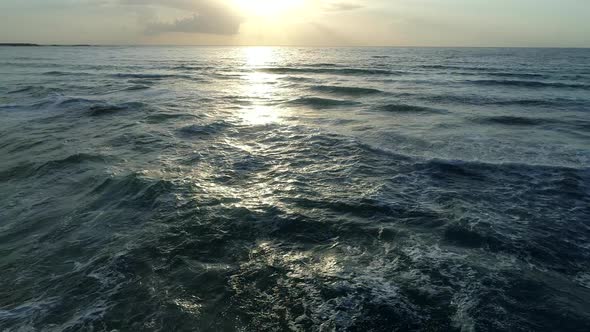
[[18, 44]]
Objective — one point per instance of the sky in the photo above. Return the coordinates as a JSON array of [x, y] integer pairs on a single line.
[[521, 23]]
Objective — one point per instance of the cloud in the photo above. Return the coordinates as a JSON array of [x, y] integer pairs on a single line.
[[342, 6], [178, 4], [208, 17], [202, 23]]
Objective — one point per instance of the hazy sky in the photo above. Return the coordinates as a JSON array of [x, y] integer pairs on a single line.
[[299, 22]]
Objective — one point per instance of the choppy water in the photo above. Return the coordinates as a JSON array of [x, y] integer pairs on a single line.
[[207, 189]]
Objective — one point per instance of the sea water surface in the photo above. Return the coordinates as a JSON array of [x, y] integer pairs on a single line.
[[304, 189]]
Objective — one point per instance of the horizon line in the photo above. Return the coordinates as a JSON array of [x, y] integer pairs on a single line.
[[26, 44]]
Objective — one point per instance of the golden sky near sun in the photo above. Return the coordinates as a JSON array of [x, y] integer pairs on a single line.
[[268, 8]]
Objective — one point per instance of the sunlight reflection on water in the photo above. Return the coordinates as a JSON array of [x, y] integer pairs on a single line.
[[260, 87], [258, 56]]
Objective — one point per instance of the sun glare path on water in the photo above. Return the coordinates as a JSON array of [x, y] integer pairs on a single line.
[[260, 86]]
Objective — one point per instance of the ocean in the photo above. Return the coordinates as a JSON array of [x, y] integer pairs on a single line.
[[294, 189]]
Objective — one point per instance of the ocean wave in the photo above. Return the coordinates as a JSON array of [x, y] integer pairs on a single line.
[[74, 159], [28, 88], [502, 74], [409, 109], [66, 73], [8, 106], [515, 74], [67, 101], [134, 188], [89, 107], [529, 102], [163, 117], [322, 65], [298, 79], [205, 129], [499, 101], [22, 170], [316, 102], [137, 87], [345, 90], [464, 236], [529, 84], [106, 109], [342, 296], [152, 76], [511, 120], [26, 170], [362, 208], [344, 71], [424, 163], [455, 67], [24, 312], [191, 68], [29, 64], [36, 90], [484, 169]]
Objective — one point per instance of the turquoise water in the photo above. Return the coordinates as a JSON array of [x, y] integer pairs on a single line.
[[243, 189]]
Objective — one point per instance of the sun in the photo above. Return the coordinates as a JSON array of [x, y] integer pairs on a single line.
[[268, 8]]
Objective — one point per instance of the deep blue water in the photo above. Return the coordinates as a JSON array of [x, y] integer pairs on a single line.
[[304, 189]]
